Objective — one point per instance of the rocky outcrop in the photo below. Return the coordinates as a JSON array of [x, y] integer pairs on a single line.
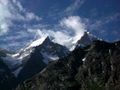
[[95, 67], [57, 75], [101, 68]]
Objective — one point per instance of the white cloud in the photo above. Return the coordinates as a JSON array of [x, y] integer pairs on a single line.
[[32, 16], [59, 37], [75, 24], [75, 6], [3, 28], [4, 14], [13, 10], [18, 4], [71, 24], [103, 21], [73, 27]]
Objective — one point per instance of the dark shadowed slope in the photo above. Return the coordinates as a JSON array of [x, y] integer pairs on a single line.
[[7, 79], [96, 67]]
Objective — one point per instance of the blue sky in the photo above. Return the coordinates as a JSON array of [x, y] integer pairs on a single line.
[[22, 21]]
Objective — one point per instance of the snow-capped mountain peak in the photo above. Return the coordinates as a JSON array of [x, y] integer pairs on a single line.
[[37, 42], [24, 52], [52, 51], [44, 46], [41, 56]]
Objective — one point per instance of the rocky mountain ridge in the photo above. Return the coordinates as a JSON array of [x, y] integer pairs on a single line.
[[95, 67]]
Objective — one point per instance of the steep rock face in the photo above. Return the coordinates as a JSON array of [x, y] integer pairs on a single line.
[[101, 68], [40, 57], [6, 77], [33, 65], [52, 51], [44, 49], [96, 67], [57, 75], [48, 49], [86, 40]]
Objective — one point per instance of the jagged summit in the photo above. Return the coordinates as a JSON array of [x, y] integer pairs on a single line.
[[47, 40], [51, 50], [85, 40], [40, 57], [92, 59]]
